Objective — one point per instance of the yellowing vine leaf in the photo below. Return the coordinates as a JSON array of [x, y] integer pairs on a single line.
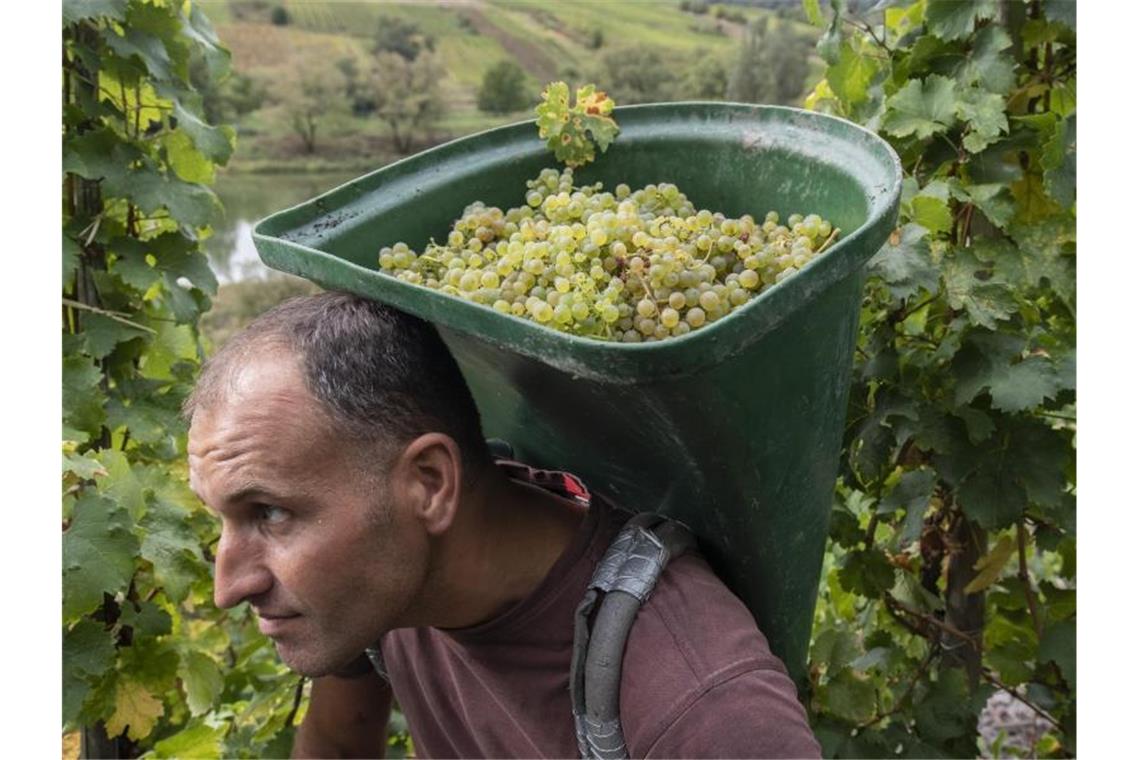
[[136, 711], [990, 566]]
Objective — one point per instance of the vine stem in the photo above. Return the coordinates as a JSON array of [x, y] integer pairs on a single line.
[[1023, 575], [906, 694], [995, 681], [115, 315], [931, 620]]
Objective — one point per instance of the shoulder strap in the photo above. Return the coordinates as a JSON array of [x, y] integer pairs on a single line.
[[626, 576]]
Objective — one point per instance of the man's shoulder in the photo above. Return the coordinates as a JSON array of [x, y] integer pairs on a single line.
[[704, 628], [697, 663]]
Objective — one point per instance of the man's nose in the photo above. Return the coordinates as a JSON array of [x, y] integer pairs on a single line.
[[240, 572]]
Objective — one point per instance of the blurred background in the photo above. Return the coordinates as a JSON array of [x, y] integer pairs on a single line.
[[322, 92]]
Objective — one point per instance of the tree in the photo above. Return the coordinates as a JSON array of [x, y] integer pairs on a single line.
[[703, 79], [770, 67], [752, 80], [407, 94], [636, 74], [404, 38], [504, 89], [311, 88]]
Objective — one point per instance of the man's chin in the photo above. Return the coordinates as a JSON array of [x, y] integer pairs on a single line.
[[315, 665]]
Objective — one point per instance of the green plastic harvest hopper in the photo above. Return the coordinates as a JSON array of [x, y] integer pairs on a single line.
[[734, 428]]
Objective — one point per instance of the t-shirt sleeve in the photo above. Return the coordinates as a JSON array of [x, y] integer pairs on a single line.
[[754, 714]]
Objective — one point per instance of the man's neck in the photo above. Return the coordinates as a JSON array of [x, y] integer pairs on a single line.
[[506, 537]]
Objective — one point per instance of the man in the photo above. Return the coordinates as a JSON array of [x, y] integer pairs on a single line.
[[361, 510]]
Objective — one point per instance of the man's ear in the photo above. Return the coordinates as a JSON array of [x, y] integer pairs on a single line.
[[427, 476]]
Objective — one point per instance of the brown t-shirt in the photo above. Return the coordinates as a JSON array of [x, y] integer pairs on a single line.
[[698, 678]]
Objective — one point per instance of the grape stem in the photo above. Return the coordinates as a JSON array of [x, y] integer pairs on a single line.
[[830, 238]]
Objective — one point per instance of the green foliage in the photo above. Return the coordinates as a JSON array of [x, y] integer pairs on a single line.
[[770, 67], [504, 89], [407, 95], [951, 570], [402, 37], [143, 646], [572, 133]]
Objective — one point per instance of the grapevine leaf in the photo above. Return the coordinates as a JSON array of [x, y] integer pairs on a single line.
[[950, 708], [75, 691], [553, 111], [971, 286], [992, 496], [990, 566], [98, 154], [200, 740], [932, 213], [184, 159], [173, 344], [148, 620], [136, 711], [1015, 384], [867, 573], [813, 13], [149, 422], [921, 108], [192, 204], [979, 426], [904, 263], [85, 467], [828, 44], [1059, 645], [1059, 158], [197, 28], [201, 679], [954, 19], [985, 113], [850, 697], [851, 75], [88, 654], [834, 648], [131, 265], [98, 554], [902, 20], [912, 493], [81, 10], [170, 544], [83, 399], [88, 649], [1039, 455], [152, 663], [993, 200], [101, 334], [216, 144], [987, 65], [1042, 253], [121, 485]]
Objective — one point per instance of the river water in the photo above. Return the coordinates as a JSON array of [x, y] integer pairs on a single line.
[[247, 198]]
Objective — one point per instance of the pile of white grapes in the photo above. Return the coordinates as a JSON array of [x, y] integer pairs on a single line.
[[632, 266]]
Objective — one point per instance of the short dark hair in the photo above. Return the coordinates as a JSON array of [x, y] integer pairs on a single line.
[[382, 376]]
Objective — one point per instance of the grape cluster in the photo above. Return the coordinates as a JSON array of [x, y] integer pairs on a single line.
[[631, 265]]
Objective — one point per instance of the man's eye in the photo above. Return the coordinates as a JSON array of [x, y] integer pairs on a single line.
[[271, 514]]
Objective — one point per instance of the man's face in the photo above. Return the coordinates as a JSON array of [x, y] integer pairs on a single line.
[[308, 539]]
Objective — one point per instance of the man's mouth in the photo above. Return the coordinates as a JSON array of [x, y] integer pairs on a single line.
[[273, 625]]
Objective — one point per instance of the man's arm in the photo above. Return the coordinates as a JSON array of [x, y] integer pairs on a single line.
[[347, 717]]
